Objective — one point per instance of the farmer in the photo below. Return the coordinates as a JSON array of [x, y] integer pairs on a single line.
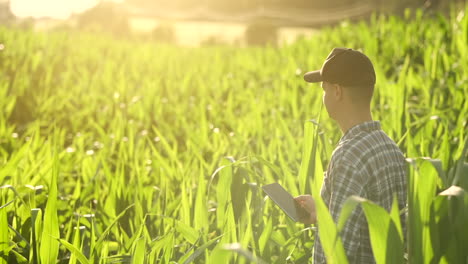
[[366, 162]]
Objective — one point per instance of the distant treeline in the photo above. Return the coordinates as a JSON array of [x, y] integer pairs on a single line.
[[261, 17], [247, 5]]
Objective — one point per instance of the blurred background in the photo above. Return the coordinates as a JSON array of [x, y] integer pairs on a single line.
[[198, 22]]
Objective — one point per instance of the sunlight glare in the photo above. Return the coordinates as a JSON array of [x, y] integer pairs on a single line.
[[58, 9]]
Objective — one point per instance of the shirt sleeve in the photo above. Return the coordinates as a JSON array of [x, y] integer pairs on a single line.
[[345, 180]]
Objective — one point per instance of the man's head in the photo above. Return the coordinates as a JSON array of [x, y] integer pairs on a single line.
[[348, 80]]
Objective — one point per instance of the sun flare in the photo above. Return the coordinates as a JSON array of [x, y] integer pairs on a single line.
[[57, 9]]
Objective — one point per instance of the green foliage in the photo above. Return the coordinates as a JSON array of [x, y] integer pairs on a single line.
[[384, 228], [119, 151], [441, 239]]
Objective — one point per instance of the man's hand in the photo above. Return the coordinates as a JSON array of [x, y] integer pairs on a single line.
[[306, 202]]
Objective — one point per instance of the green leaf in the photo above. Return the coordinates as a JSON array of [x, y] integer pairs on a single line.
[[76, 251], [139, 251], [187, 232], [422, 184], [236, 247], [265, 236], [19, 258], [220, 255], [108, 229], [201, 210], [329, 238], [462, 169], [76, 242], [385, 234], [395, 215], [36, 229], [387, 245], [49, 247], [201, 249], [4, 240], [223, 195]]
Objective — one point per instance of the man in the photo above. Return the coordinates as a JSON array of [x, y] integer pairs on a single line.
[[366, 162]]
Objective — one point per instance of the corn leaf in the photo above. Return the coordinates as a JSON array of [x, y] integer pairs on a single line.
[[49, 245]]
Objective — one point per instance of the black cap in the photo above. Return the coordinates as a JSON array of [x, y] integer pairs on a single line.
[[344, 66]]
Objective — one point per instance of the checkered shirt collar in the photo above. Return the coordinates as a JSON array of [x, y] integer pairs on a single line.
[[363, 127]]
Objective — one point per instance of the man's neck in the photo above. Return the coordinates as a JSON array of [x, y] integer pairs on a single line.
[[352, 120]]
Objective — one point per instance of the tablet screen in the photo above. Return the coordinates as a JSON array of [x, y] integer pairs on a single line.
[[285, 201]]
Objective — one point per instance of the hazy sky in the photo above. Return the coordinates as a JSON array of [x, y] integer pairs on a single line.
[[60, 9]]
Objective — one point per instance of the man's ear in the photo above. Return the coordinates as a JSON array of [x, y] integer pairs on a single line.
[[337, 91]]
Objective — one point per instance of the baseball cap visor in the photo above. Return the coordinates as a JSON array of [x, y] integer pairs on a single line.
[[313, 76]]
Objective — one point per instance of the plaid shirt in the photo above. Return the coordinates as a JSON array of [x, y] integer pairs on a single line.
[[366, 163]]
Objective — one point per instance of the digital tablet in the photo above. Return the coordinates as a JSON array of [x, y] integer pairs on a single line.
[[285, 201]]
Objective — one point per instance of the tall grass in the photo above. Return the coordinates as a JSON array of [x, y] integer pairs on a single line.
[[117, 151]]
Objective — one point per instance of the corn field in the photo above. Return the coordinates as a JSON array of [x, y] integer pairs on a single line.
[[138, 152]]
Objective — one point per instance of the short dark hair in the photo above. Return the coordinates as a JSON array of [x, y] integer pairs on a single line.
[[361, 94]]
